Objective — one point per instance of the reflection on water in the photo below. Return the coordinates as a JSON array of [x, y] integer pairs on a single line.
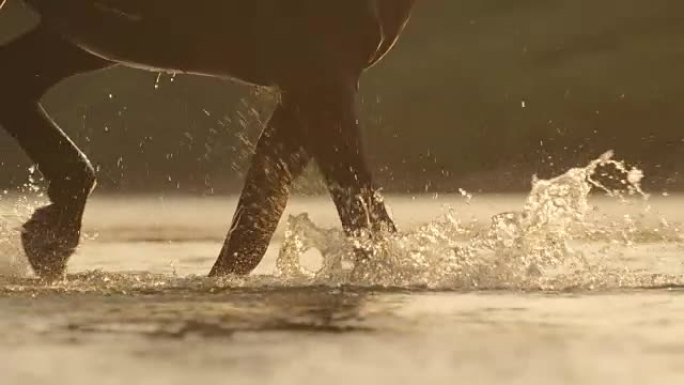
[[311, 335], [220, 315]]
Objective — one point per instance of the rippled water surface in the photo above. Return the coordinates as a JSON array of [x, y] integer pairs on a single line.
[[554, 287]]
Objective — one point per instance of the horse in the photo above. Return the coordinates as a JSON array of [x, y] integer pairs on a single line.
[[312, 51]]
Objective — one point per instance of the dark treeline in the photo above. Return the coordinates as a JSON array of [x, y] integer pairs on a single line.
[[479, 94]]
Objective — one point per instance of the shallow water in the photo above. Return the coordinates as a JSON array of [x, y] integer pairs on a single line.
[[515, 301]]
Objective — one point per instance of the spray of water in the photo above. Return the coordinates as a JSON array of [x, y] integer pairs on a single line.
[[13, 263], [527, 249], [555, 241]]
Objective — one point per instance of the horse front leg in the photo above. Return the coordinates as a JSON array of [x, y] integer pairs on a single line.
[[29, 66], [278, 160]]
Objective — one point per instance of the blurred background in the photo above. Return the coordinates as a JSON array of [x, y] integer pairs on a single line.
[[478, 94]]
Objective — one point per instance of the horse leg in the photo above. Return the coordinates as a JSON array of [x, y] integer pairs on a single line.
[[331, 128], [278, 160], [29, 66]]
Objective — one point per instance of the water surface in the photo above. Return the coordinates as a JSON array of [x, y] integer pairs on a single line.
[[485, 293]]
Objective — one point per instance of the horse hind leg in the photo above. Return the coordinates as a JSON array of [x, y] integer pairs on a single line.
[[331, 127], [29, 66], [320, 123], [279, 158]]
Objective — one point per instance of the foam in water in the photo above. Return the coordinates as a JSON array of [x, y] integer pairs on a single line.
[[525, 249]]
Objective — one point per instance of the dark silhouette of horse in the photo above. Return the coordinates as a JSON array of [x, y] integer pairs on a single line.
[[313, 51]]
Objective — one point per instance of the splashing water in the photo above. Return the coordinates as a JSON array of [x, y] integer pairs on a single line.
[[528, 249], [535, 248], [11, 260], [13, 263]]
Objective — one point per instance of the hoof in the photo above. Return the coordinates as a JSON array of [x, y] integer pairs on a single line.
[[49, 238]]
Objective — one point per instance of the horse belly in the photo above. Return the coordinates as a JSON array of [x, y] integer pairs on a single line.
[[217, 41], [258, 41]]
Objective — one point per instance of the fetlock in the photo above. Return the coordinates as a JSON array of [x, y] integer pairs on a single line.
[[74, 187]]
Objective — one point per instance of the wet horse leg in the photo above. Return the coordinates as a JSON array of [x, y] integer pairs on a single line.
[[333, 137], [322, 124], [278, 160], [29, 66]]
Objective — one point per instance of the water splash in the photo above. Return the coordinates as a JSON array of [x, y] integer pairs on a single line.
[[13, 262], [556, 241], [527, 249]]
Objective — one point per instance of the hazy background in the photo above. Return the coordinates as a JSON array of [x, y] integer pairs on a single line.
[[479, 94]]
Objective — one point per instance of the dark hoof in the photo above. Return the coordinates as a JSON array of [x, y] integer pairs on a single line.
[[49, 238]]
